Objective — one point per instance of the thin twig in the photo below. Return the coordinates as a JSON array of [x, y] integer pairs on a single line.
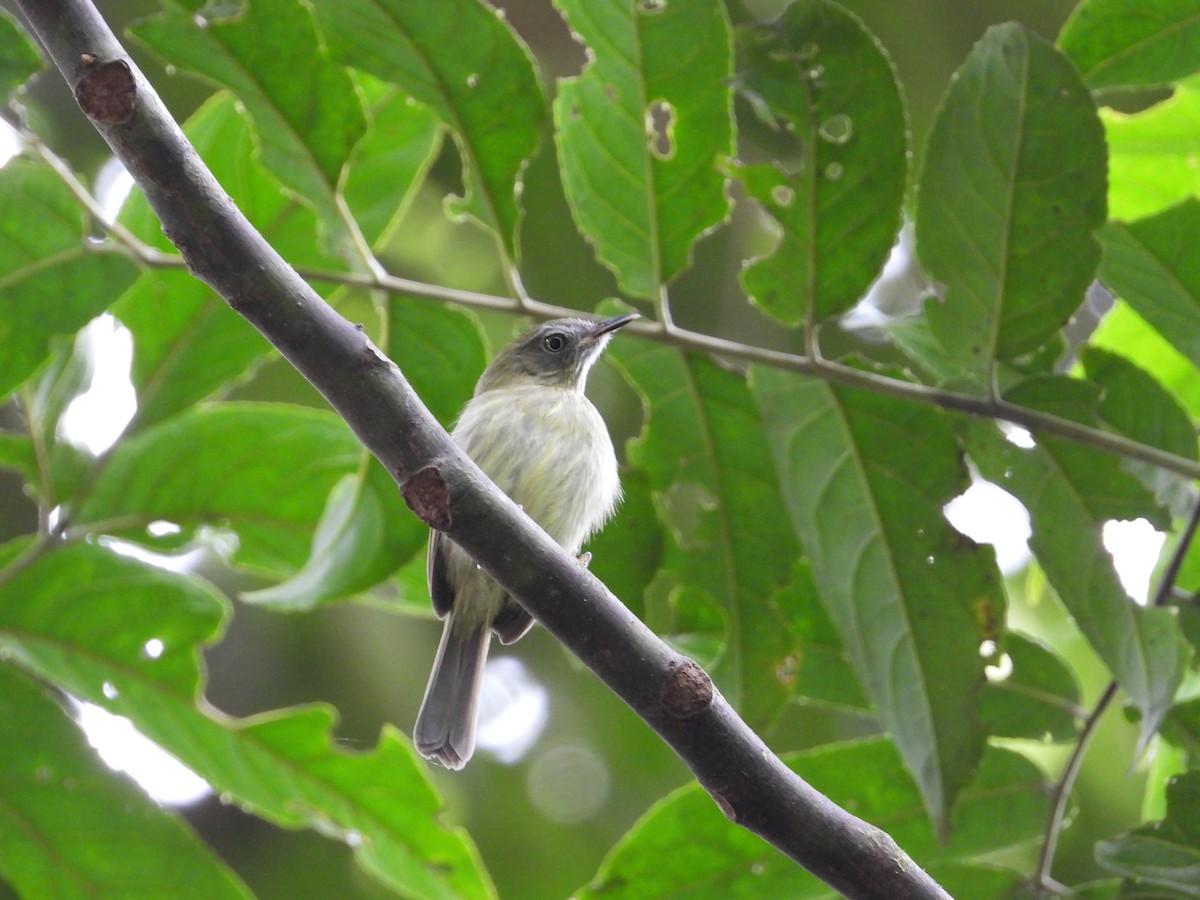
[[1171, 572], [1062, 790], [672, 694], [378, 278]]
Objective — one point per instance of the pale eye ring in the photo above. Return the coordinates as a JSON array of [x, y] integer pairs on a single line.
[[554, 342]]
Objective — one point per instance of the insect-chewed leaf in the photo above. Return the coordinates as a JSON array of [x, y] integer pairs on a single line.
[[1070, 491], [306, 113], [643, 131], [464, 62], [819, 78]]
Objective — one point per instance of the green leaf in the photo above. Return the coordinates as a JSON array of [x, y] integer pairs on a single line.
[[262, 470], [1138, 406], [1166, 853], [70, 827], [51, 282], [366, 531], [57, 468], [1150, 153], [50, 467], [82, 618], [912, 598], [1070, 491], [825, 82], [1123, 331], [1131, 43], [1011, 189], [306, 112], [684, 848], [1152, 265], [464, 62], [710, 471], [19, 59], [1182, 726], [347, 551], [1038, 699], [440, 350], [390, 163], [16, 452], [643, 131], [823, 674], [187, 343]]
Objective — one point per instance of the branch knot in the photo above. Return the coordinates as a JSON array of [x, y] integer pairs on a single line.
[[688, 690], [427, 495], [107, 91]]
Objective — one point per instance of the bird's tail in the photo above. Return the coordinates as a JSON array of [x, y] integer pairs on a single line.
[[445, 728]]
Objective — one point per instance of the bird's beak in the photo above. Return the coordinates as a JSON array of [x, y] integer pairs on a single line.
[[608, 326]]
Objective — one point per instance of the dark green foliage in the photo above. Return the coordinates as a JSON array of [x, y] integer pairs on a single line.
[[784, 517]]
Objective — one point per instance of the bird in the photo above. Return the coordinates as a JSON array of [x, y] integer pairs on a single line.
[[534, 433]]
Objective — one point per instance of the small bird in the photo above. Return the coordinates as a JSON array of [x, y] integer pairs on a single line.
[[530, 428]]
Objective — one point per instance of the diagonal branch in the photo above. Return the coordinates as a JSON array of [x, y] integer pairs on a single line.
[[671, 693]]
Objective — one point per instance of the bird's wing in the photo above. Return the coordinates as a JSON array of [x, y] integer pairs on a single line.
[[512, 622], [441, 592]]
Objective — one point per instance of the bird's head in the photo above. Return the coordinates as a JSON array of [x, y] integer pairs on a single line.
[[554, 354]]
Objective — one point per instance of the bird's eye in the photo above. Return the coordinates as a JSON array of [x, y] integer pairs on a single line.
[[554, 342]]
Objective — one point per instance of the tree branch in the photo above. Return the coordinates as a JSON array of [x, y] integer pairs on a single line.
[[671, 693], [1042, 880]]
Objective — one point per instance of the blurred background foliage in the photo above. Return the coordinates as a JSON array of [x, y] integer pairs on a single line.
[[544, 820]]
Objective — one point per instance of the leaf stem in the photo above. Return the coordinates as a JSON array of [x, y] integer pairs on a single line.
[[1043, 883], [1167, 585], [41, 458], [665, 331]]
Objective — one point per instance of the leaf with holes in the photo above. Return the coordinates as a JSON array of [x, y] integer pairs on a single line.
[[1011, 189], [827, 87], [1131, 43], [70, 828], [1038, 697], [463, 61], [1070, 491], [83, 617], [912, 599], [306, 113], [51, 282], [643, 132], [710, 473]]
